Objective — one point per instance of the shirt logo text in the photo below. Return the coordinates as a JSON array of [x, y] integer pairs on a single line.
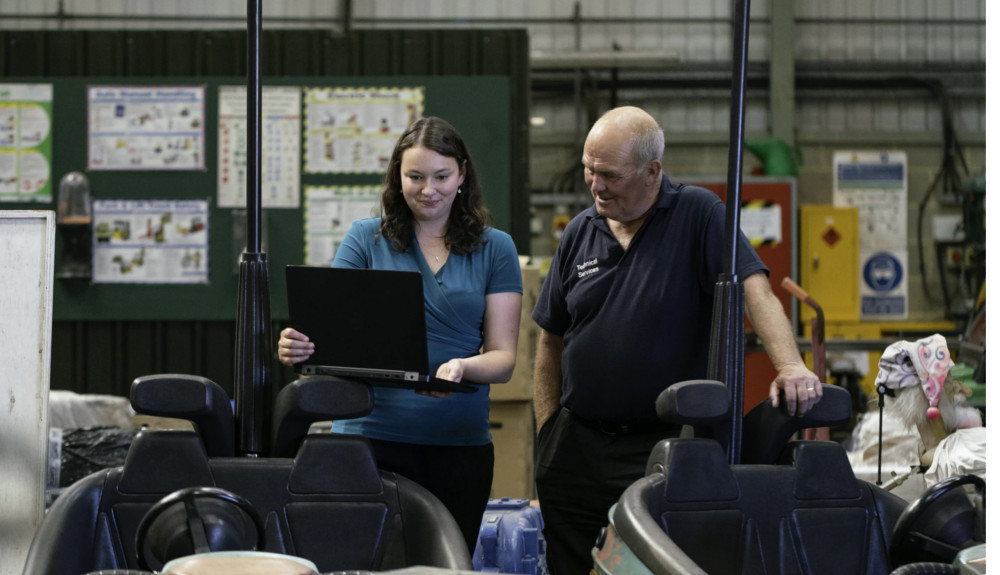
[[586, 268]]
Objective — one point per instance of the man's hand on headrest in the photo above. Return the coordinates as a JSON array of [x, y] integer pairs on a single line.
[[802, 388]]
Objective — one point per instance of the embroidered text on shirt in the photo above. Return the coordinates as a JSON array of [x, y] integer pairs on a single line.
[[586, 268]]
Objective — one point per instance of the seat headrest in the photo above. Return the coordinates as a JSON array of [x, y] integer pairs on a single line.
[[192, 398], [336, 464], [766, 429], [310, 399], [695, 470], [822, 471], [327, 397], [694, 402], [165, 461]]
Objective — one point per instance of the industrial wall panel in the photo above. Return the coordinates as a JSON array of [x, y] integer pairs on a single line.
[[182, 54], [105, 357], [62, 373], [868, 116], [458, 53], [339, 54], [292, 54], [972, 116], [181, 343], [64, 54], [144, 53], [101, 366], [700, 30], [546, 37], [225, 54], [675, 115], [24, 53], [218, 349], [496, 53], [29, 6], [892, 30], [887, 30], [105, 54], [419, 52], [142, 351], [93, 356], [379, 54], [647, 10]]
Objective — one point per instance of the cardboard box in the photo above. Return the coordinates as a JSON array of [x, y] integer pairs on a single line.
[[521, 385], [160, 423], [512, 424]]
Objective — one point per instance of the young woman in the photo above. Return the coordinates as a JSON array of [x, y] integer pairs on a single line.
[[434, 222]]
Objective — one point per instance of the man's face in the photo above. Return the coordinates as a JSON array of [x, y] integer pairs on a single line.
[[621, 189]]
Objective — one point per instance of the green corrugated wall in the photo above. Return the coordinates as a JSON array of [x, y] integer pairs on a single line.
[[93, 356]]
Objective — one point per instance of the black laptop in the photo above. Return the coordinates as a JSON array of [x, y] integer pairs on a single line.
[[367, 324]]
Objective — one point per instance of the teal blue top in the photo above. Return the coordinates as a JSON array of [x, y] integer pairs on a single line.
[[455, 303]]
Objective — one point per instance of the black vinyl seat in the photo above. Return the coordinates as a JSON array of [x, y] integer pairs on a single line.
[[329, 504], [795, 508], [808, 515]]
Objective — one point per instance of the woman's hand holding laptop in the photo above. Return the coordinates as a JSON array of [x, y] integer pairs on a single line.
[[452, 370], [294, 347]]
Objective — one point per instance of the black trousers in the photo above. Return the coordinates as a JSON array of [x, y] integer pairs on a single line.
[[580, 472], [460, 476]]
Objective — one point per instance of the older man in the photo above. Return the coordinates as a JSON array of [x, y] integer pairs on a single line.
[[625, 312]]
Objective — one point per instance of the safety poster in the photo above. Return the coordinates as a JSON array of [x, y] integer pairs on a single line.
[[150, 241], [146, 127], [25, 142], [353, 130], [280, 143], [875, 182], [329, 213]]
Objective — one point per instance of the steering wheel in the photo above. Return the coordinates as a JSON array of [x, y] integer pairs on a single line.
[[906, 542], [215, 523]]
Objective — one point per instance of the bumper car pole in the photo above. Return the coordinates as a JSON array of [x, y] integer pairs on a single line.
[[725, 360], [252, 386]]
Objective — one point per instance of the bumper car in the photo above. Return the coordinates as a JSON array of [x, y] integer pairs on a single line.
[[789, 507], [182, 503]]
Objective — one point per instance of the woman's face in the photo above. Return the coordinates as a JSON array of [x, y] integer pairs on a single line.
[[430, 183]]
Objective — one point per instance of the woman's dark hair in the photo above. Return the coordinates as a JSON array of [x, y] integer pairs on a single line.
[[469, 216]]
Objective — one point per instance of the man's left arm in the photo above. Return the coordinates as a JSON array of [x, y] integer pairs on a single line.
[[802, 387]]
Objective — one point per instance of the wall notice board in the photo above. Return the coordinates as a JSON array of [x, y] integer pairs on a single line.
[[477, 106]]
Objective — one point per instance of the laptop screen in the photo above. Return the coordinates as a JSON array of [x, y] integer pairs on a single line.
[[360, 318]]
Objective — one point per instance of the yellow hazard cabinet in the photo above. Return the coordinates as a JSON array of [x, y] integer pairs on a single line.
[[829, 262]]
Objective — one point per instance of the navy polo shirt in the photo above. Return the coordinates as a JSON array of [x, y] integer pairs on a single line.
[[633, 322]]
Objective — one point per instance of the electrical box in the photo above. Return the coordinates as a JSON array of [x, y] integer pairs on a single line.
[[829, 262]]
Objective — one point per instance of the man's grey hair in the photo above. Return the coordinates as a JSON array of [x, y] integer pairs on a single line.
[[647, 145], [644, 133]]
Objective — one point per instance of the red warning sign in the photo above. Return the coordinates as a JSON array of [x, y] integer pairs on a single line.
[[831, 237]]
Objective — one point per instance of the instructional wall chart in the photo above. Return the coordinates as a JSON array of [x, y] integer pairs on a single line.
[[150, 241], [25, 142], [353, 130], [875, 182], [329, 213], [281, 145], [146, 127]]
